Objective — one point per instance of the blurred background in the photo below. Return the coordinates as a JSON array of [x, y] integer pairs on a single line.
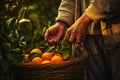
[[22, 27]]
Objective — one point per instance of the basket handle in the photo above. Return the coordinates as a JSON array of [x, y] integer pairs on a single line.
[[80, 47]]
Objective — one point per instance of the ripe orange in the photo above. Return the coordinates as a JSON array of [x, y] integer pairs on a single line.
[[58, 54], [67, 57], [36, 50], [56, 59], [47, 56], [37, 60], [26, 58], [45, 62], [52, 53]]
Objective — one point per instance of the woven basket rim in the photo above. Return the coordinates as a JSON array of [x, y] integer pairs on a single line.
[[66, 70], [78, 60]]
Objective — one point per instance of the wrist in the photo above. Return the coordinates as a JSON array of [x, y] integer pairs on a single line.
[[84, 21], [85, 18], [61, 23]]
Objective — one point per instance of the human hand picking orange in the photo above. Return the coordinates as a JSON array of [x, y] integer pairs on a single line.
[[54, 33]]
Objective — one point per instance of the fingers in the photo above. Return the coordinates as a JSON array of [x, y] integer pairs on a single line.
[[67, 35], [53, 40], [78, 38], [72, 36], [52, 36]]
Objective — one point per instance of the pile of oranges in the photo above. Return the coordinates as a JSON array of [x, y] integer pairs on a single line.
[[44, 57]]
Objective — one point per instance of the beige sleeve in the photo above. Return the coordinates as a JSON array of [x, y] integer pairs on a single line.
[[94, 13], [66, 11]]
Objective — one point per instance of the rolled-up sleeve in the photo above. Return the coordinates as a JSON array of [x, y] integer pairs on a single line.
[[94, 13], [66, 11], [99, 9]]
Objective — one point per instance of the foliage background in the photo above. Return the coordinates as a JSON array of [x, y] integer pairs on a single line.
[[22, 27]]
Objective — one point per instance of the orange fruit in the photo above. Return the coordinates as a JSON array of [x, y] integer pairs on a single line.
[[56, 59], [52, 53], [47, 56], [58, 54], [36, 50], [67, 57], [45, 62], [26, 58], [37, 60]]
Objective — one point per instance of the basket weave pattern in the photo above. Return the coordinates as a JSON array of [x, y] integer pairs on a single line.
[[66, 70]]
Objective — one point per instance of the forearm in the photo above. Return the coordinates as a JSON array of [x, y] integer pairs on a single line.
[[84, 19]]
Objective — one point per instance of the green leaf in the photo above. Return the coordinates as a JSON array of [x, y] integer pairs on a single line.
[[10, 57], [25, 25], [22, 11], [10, 23], [31, 56], [64, 51], [24, 20], [51, 48]]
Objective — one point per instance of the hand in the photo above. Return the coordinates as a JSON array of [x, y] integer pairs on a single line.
[[78, 30], [54, 33]]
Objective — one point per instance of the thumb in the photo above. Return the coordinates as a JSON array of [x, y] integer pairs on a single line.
[[46, 35]]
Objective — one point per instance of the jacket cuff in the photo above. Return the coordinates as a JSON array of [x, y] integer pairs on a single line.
[[65, 17], [94, 13]]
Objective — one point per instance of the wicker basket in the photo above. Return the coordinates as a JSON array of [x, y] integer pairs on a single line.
[[67, 70]]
